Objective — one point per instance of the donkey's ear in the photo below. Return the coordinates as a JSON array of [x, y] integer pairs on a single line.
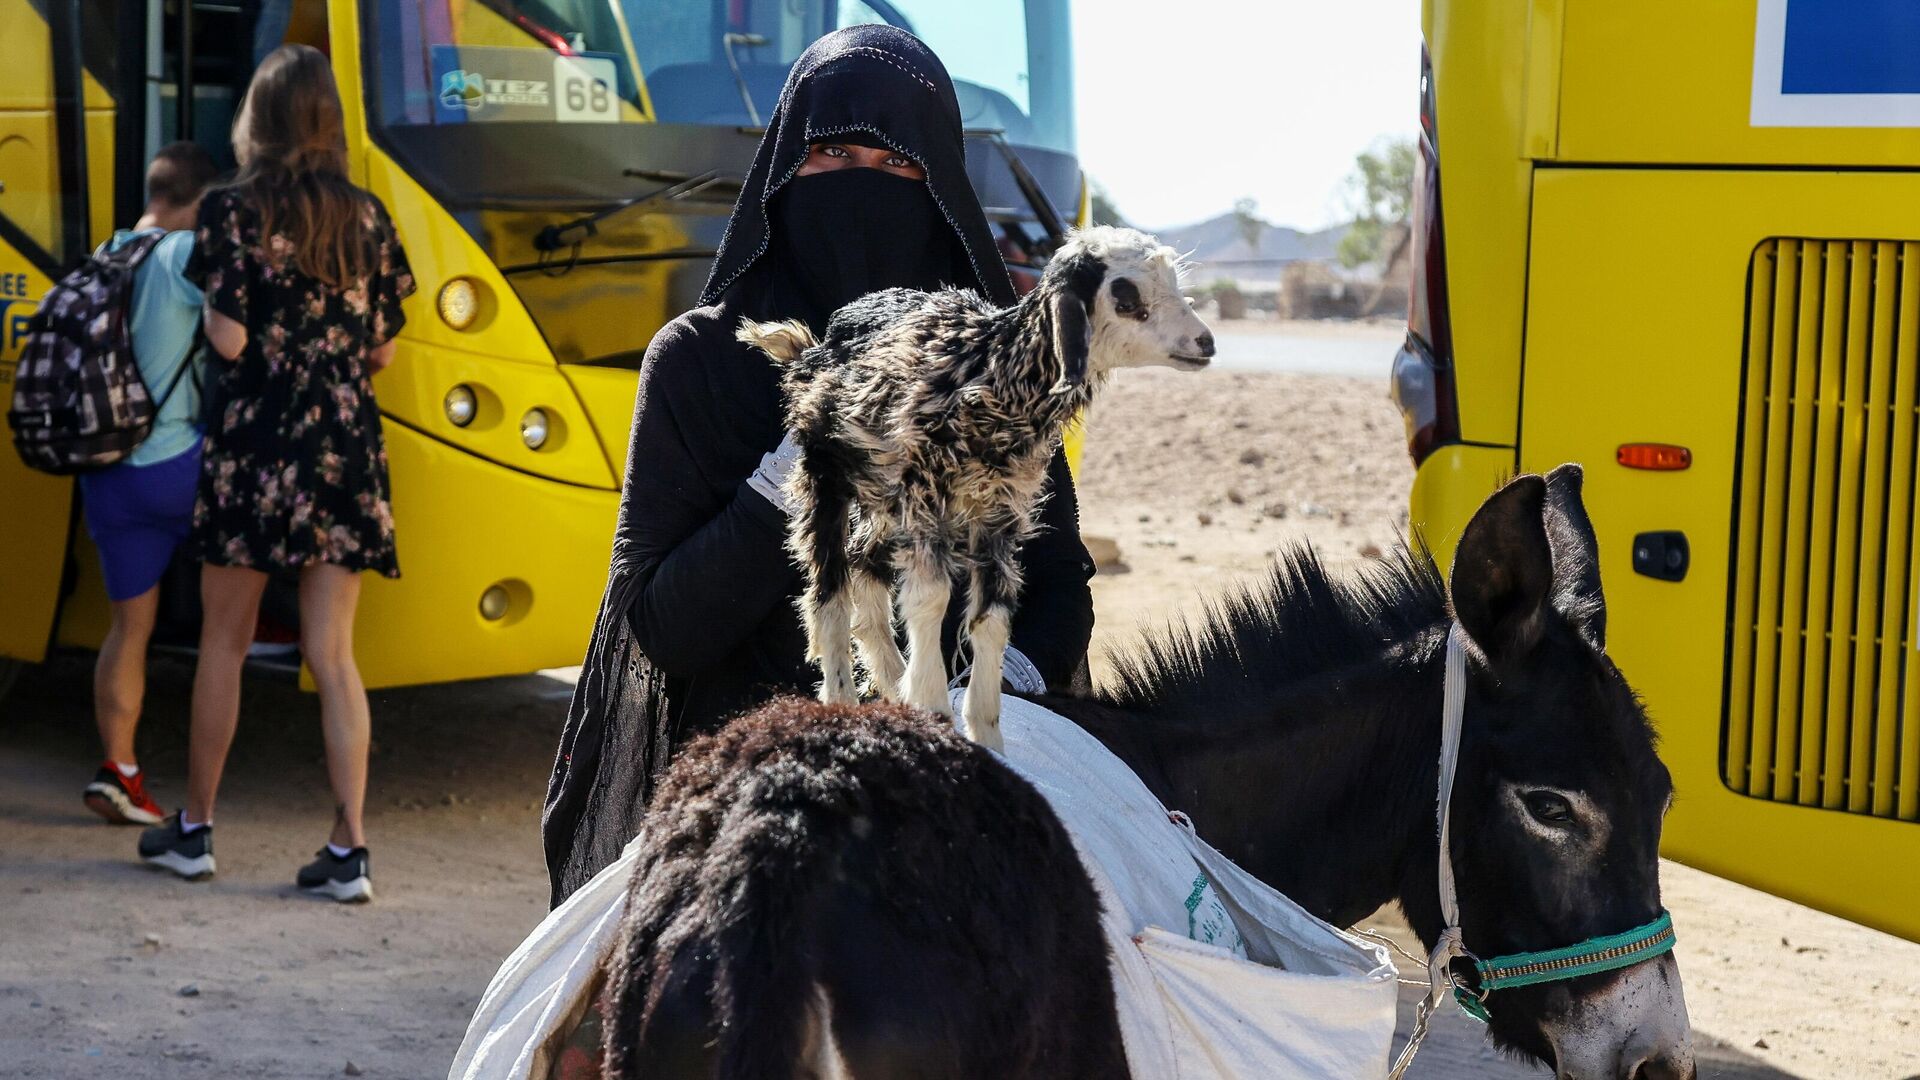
[[1503, 572], [1576, 556], [1072, 339]]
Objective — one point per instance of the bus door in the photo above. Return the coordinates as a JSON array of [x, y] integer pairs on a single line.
[[90, 89], [44, 97]]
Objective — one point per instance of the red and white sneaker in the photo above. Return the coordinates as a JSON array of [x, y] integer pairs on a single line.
[[120, 800]]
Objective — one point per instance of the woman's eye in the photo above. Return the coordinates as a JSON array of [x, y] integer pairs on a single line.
[[898, 162], [834, 151], [1548, 808]]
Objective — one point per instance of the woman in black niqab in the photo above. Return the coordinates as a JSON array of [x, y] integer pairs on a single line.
[[698, 622]]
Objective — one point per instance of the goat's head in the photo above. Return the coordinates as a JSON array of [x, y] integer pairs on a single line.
[[1116, 302]]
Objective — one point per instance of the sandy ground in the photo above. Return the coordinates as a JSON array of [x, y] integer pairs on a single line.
[[108, 969]]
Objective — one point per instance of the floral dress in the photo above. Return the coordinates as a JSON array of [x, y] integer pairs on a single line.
[[295, 468]]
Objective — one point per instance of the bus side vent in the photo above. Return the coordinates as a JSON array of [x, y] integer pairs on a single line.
[[1823, 678]]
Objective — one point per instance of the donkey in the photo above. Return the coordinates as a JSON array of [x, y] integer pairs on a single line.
[[1299, 727], [832, 881]]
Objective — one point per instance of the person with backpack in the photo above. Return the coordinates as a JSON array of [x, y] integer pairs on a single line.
[[304, 277], [139, 510]]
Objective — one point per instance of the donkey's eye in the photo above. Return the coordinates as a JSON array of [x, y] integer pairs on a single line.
[[1548, 808]]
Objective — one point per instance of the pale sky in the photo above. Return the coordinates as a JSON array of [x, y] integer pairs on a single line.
[[1187, 105]]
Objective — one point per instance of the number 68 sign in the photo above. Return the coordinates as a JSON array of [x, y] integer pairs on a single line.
[[584, 90]]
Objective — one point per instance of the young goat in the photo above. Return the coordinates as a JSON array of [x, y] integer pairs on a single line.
[[931, 417]]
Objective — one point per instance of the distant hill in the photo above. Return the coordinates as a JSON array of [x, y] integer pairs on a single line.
[[1221, 252]]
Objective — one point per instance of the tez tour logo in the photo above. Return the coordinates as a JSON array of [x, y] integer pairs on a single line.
[[463, 89], [469, 90]]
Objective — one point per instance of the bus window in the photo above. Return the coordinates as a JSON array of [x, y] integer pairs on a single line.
[[521, 118], [1007, 57], [500, 62], [1008, 60], [717, 63]]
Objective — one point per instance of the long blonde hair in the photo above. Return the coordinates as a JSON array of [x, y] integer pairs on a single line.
[[290, 138]]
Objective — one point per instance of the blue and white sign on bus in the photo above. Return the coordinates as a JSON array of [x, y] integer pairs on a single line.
[[1836, 63], [492, 84]]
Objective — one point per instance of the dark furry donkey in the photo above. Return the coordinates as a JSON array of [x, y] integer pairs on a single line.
[[846, 891], [833, 892], [931, 416]]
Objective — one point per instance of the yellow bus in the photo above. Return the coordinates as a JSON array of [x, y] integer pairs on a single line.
[[1680, 243], [560, 173]]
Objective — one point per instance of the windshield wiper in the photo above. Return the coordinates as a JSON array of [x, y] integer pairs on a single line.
[[729, 40], [1050, 220], [572, 233]]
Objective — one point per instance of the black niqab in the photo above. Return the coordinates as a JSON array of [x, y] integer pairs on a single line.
[[842, 234], [698, 622], [877, 86]]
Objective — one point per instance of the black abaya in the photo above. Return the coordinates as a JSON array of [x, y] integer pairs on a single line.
[[698, 621]]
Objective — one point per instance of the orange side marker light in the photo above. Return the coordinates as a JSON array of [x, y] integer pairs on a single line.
[[1656, 457]]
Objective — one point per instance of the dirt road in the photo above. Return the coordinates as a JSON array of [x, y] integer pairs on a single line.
[[108, 969]]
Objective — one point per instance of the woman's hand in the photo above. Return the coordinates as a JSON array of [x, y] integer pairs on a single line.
[[770, 479], [228, 337], [380, 356]]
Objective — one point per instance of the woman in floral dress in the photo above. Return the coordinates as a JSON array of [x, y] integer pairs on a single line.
[[303, 278]]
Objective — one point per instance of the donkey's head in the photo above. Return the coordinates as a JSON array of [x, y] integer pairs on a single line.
[[1559, 798], [1116, 302]]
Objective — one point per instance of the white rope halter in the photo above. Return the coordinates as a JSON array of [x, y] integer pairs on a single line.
[[1449, 946]]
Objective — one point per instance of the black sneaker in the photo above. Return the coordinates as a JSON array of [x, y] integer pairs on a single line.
[[347, 880], [189, 855]]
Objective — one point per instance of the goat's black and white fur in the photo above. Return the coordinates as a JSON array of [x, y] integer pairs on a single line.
[[925, 422]]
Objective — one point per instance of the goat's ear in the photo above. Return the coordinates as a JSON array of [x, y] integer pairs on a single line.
[[1503, 573], [1576, 556], [1072, 339]]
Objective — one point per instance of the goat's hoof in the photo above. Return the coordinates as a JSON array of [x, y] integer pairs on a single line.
[[941, 707], [931, 698], [987, 736]]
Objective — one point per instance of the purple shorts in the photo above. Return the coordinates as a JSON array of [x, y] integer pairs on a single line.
[[137, 516]]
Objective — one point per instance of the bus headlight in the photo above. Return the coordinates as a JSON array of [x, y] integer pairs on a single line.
[[459, 303], [533, 428], [461, 405]]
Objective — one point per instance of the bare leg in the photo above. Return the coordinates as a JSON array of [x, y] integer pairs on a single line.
[[873, 629], [328, 597], [924, 591], [230, 602], [120, 674]]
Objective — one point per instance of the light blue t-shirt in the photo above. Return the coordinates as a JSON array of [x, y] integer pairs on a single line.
[[166, 312]]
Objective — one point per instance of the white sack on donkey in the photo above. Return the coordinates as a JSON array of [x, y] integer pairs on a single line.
[[925, 422]]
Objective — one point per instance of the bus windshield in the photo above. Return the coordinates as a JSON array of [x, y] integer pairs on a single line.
[[1009, 58], [695, 62], [594, 148]]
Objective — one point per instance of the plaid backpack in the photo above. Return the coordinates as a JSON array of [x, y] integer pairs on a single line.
[[79, 403]]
